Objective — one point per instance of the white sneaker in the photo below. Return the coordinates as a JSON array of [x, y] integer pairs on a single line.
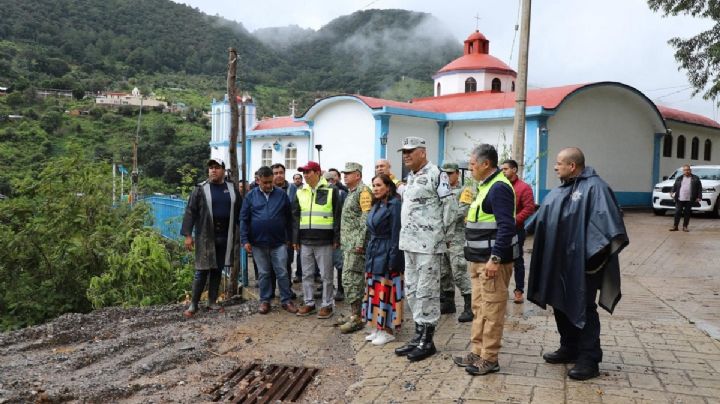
[[383, 338], [372, 335]]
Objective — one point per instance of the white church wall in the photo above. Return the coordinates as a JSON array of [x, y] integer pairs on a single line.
[[455, 83], [462, 136], [669, 164], [346, 131], [402, 127], [614, 128]]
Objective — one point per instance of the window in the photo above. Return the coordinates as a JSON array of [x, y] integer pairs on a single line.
[[708, 150], [512, 86], [495, 86], [470, 85], [438, 93], [291, 156], [266, 155], [694, 148], [667, 145], [681, 147]]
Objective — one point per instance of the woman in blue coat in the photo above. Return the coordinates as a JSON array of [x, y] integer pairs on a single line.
[[384, 264]]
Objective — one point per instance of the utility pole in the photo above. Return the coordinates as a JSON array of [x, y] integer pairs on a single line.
[[232, 98], [521, 90], [134, 176]]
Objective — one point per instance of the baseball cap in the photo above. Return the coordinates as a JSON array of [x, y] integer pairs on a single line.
[[310, 166], [412, 142], [216, 160], [351, 167], [450, 167]]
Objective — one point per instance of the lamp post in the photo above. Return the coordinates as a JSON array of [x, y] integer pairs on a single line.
[[319, 149]]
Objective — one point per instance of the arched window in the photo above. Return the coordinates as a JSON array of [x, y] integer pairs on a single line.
[[266, 155], [667, 145], [694, 148], [495, 85], [708, 150], [291, 156], [512, 86], [470, 85], [438, 92], [681, 147]]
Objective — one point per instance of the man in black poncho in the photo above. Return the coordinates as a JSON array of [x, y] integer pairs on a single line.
[[579, 232]]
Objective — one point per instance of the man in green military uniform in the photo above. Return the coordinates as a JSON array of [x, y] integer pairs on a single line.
[[353, 239], [454, 267]]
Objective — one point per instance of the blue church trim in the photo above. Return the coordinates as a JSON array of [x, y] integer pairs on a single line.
[[530, 154], [441, 141], [382, 129], [657, 150], [540, 188], [301, 132]]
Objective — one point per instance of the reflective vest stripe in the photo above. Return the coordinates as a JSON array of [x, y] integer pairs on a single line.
[[481, 225], [486, 243], [322, 214], [315, 216], [316, 226]]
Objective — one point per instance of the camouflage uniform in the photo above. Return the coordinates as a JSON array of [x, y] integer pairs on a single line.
[[353, 234], [425, 217], [454, 267]]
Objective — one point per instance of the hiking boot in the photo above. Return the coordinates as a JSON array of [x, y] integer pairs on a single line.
[[382, 338], [341, 319], [264, 308], [466, 360], [290, 307], [425, 348], [467, 314], [305, 311], [339, 295], [482, 367], [353, 324], [410, 346], [325, 312], [518, 297]]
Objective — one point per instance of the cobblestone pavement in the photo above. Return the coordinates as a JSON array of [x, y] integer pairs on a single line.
[[662, 344]]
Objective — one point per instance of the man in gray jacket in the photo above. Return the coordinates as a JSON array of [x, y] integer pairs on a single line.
[[213, 211]]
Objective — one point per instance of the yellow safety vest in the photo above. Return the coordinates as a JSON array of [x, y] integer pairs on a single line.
[[481, 227], [316, 207]]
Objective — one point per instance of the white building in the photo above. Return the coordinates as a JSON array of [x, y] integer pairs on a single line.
[[133, 99], [629, 140]]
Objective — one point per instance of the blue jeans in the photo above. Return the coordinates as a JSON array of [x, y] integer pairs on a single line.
[[272, 260], [519, 263]]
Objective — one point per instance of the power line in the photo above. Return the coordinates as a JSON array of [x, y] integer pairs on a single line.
[[674, 92], [667, 88]]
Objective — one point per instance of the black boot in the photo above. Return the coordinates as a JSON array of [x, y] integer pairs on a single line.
[[197, 289], [410, 346], [447, 302], [467, 314], [426, 347]]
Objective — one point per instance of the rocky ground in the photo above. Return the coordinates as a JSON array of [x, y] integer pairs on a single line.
[[153, 355]]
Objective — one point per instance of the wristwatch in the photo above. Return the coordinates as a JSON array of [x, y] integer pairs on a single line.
[[495, 259]]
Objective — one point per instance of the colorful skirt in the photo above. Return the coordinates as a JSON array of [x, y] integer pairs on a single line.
[[383, 302]]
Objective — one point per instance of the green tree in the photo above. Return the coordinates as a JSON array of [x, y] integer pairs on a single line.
[[699, 55]]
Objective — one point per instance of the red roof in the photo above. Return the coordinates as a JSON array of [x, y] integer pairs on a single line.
[[476, 35], [277, 123], [477, 61], [688, 117]]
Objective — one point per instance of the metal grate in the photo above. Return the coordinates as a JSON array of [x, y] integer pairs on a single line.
[[259, 383]]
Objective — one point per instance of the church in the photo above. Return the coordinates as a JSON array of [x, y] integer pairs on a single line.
[[630, 141]]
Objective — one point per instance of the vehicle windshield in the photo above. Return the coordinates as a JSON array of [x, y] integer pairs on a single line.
[[703, 173]]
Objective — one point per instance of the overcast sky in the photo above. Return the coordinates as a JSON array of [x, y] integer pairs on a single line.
[[571, 41]]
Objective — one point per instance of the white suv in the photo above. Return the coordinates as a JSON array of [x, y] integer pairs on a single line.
[[710, 179]]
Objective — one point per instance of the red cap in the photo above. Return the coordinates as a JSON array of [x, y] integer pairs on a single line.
[[310, 166]]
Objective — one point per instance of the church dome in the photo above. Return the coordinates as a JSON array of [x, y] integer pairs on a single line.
[[477, 57]]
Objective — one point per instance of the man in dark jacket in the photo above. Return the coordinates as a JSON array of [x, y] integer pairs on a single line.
[[316, 233], [686, 191], [579, 232], [265, 228], [278, 172], [212, 211]]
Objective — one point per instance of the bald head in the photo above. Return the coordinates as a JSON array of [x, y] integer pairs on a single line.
[[382, 166], [569, 163]]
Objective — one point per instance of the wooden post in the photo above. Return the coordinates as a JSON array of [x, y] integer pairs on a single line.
[[232, 98], [521, 90]]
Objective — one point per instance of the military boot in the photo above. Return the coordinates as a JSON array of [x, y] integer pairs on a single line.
[[467, 314], [447, 302], [426, 347], [412, 344], [354, 323]]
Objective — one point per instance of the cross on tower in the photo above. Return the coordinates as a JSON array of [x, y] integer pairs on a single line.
[[477, 21], [292, 108]]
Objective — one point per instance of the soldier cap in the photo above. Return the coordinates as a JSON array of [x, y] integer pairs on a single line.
[[351, 167], [412, 142]]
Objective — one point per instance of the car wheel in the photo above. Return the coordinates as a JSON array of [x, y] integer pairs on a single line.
[[659, 212]]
